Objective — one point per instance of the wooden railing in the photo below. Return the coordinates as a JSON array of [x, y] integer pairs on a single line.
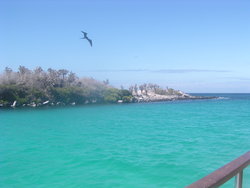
[[225, 173]]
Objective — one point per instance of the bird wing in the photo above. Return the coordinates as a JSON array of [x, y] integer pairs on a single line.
[[90, 41], [85, 34]]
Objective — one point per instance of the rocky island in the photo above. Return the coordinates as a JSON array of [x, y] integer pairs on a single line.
[[38, 87], [153, 93]]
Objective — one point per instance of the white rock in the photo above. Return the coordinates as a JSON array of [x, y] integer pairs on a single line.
[[46, 102], [14, 104]]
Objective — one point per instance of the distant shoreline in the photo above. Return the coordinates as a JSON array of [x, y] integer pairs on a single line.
[[38, 87], [151, 100], [179, 99]]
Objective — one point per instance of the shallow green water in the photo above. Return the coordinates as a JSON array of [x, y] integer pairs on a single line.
[[168, 144]]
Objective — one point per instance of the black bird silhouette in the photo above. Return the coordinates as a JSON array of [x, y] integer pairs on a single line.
[[87, 38]]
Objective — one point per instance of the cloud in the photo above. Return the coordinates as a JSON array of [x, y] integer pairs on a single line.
[[239, 78], [163, 71], [186, 70]]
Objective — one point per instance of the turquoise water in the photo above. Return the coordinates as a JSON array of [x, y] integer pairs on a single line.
[[167, 144]]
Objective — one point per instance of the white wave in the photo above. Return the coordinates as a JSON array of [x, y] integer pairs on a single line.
[[223, 98]]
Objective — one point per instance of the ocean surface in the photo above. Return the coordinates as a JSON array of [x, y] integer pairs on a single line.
[[143, 145]]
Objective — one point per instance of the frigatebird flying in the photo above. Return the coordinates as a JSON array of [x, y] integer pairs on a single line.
[[87, 38]]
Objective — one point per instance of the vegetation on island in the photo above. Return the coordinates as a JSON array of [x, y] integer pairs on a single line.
[[145, 89], [38, 87]]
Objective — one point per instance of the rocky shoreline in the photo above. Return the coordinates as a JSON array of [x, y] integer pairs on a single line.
[[157, 98], [136, 99], [151, 94]]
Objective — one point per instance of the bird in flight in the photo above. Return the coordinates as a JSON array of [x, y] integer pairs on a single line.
[[87, 38]]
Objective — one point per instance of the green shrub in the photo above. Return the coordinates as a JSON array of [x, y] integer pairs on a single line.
[[127, 99]]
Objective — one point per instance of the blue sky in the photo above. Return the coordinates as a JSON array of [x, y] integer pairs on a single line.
[[194, 46]]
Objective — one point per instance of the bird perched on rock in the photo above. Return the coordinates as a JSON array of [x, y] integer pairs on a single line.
[[87, 38]]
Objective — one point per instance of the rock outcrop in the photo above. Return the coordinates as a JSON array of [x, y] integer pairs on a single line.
[[148, 94]]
